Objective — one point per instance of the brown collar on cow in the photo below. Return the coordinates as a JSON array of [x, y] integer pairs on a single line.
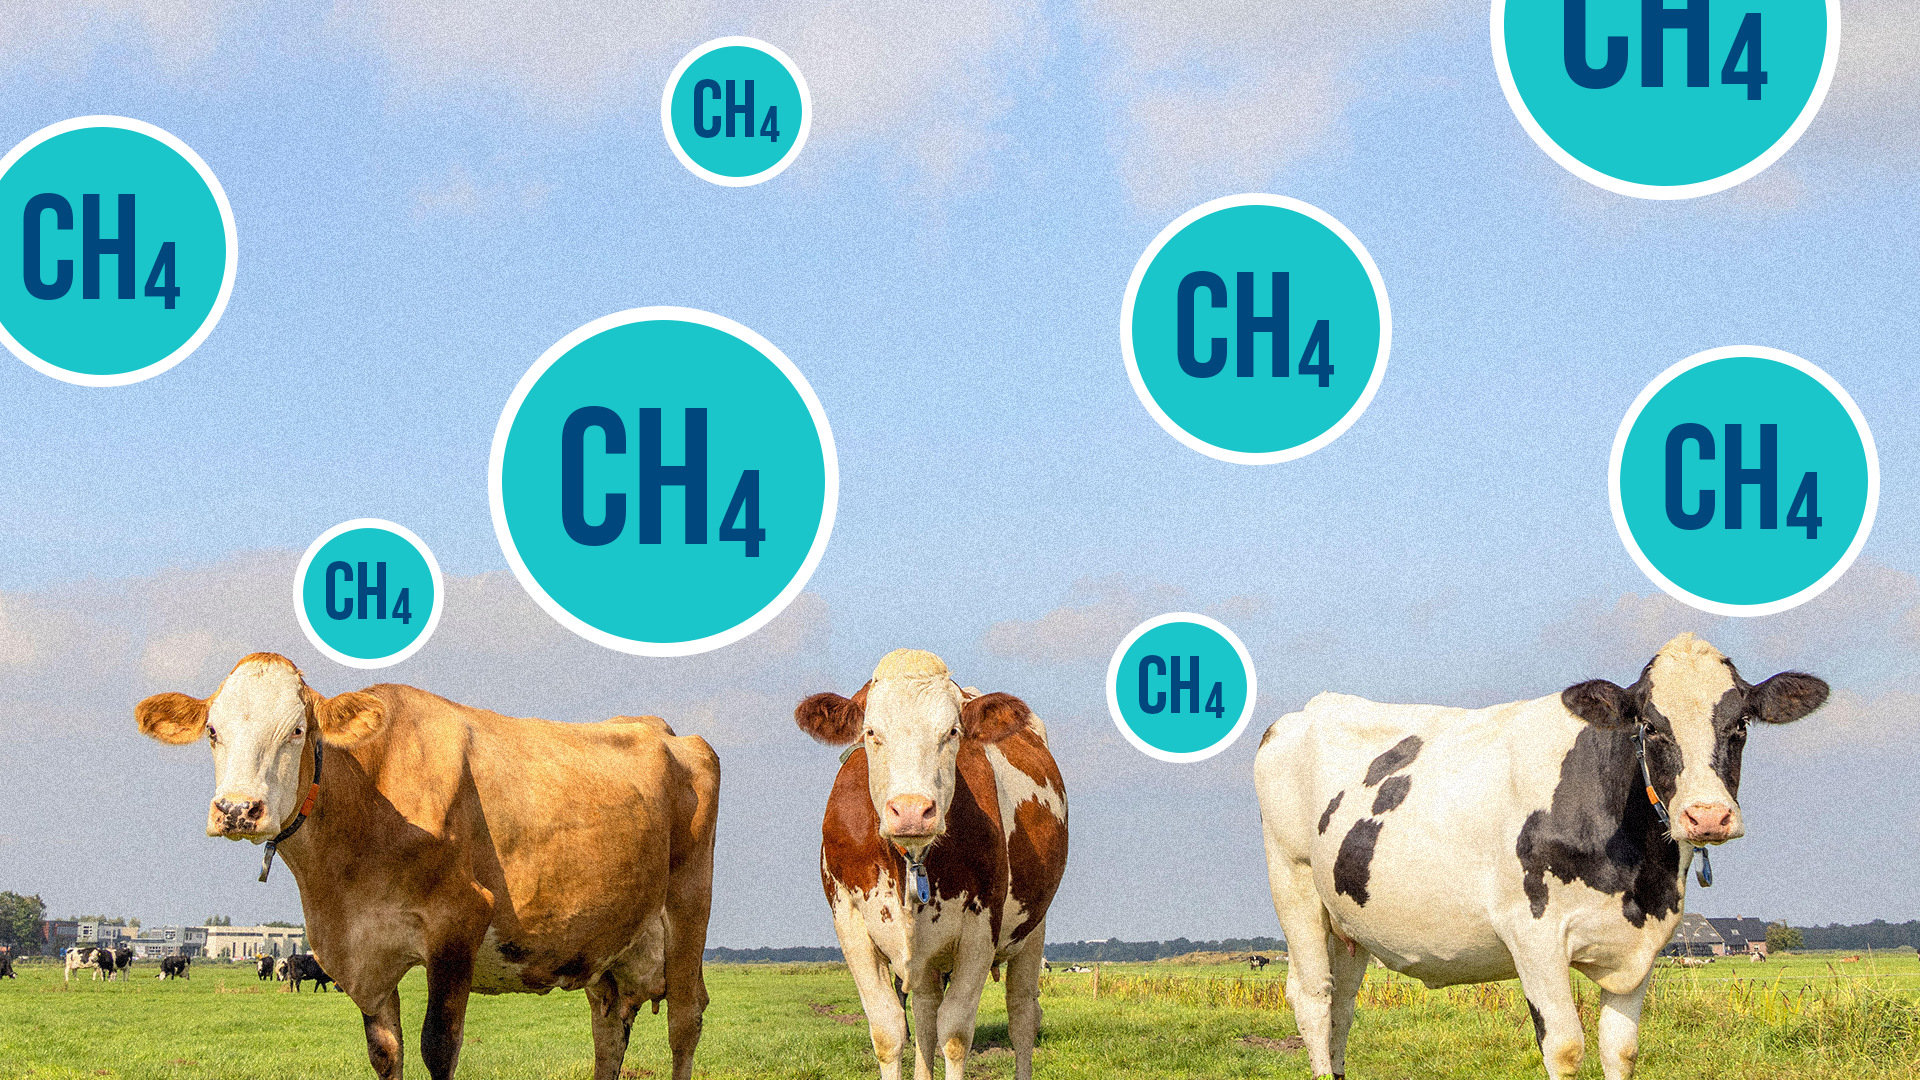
[[1705, 871], [299, 819]]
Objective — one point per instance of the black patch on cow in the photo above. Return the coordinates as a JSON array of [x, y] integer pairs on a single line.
[[513, 953], [1600, 830], [1398, 757], [575, 968], [1333, 804], [1353, 866], [1539, 1025], [1392, 793]]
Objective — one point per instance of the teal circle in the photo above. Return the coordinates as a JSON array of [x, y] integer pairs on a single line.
[[1674, 134], [363, 633], [1183, 732], [1259, 413], [110, 337], [699, 119], [1814, 433], [671, 592]]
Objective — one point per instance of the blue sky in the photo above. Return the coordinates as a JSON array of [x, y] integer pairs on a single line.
[[425, 205]]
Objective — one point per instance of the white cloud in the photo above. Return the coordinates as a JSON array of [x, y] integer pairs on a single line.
[[1874, 103], [890, 75], [1097, 614], [1221, 94], [61, 35]]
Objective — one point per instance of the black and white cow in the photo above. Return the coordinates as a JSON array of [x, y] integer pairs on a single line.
[[116, 960], [6, 964], [264, 966], [176, 967], [1473, 845], [81, 957]]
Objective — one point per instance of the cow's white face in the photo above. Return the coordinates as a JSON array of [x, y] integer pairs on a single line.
[[1694, 709], [259, 725], [912, 737], [911, 718]]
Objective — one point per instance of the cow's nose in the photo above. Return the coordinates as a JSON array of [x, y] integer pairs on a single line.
[[1709, 821], [910, 815], [239, 815]]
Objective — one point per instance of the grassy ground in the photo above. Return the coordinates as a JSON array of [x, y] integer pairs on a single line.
[[1804, 1017]]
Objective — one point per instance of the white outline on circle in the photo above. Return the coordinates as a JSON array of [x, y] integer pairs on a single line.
[[1113, 683], [300, 593], [496, 461], [1715, 607], [1591, 175], [1194, 442], [771, 171], [165, 363]]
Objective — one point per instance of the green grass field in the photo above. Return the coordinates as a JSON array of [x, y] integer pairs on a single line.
[[1805, 1016]]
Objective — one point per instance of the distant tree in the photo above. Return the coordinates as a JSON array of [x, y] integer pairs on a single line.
[[284, 925], [219, 920], [103, 920], [1782, 938], [20, 918]]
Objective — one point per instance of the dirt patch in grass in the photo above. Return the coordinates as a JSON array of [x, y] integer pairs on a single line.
[[1291, 1042], [837, 1017]]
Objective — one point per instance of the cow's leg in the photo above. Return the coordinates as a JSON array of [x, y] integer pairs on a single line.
[[1349, 967], [449, 981], [1310, 945], [873, 977], [1023, 1000], [1620, 1030], [613, 1013], [961, 1004], [928, 996], [384, 1048], [688, 904], [1548, 984]]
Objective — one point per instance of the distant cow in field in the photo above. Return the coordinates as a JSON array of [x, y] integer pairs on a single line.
[[122, 956], [305, 967], [263, 966], [1256, 962], [504, 855], [1466, 846], [283, 969], [77, 958], [1756, 958], [6, 964], [175, 967], [944, 840]]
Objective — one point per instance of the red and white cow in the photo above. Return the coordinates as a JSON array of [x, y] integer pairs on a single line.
[[944, 841], [1473, 845]]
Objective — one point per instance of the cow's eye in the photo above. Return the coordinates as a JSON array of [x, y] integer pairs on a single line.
[[298, 733], [870, 737], [954, 733], [213, 737]]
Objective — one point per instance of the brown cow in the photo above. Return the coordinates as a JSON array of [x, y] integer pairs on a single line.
[[944, 840], [504, 855]]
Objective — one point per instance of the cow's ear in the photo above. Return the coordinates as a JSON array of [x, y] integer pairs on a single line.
[[1788, 696], [172, 718], [1600, 703], [347, 719], [992, 717], [832, 719]]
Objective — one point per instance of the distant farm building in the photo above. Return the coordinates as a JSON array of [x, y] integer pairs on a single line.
[[1698, 935], [1742, 935], [1695, 936], [247, 942], [154, 943]]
